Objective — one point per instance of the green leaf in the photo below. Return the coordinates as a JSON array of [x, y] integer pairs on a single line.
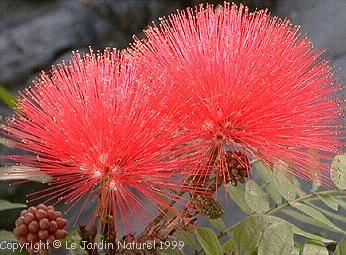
[[218, 223], [306, 219], [312, 212], [23, 173], [187, 237], [209, 241], [7, 97], [266, 174], [297, 185], [274, 193], [238, 196], [283, 182], [338, 171], [7, 236], [341, 248], [296, 251], [6, 205], [330, 214], [301, 232], [249, 232], [168, 252], [314, 249], [315, 186], [256, 198], [329, 201], [341, 202], [228, 246], [277, 240]]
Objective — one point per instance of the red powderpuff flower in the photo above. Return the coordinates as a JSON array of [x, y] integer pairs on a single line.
[[97, 130], [254, 88]]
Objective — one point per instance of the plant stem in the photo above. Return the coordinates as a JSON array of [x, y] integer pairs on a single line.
[[307, 198]]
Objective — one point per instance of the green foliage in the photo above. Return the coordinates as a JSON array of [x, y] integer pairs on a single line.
[[23, 173], [315, 214], [187, 237], [6, 205], [314, 249], [341, 248], [7, 98], [248, 233], [277, 240], [209, 241], [262, 233], [285, 183], [256, 198], [329, 201], [7, 236], [237, 194], [228, 246]]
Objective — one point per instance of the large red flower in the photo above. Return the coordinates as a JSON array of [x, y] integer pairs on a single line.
[[99, 132], [254, 88]]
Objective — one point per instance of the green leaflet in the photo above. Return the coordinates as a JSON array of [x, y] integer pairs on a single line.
[[209, 241], [7, 236], [330, 214], [341, 248], [6, 205], [249, 232], [23, 173], [228, 246], [238, 196], [266, 175], [7, 98], [286, 184], [256, 198], [306, 219], [329, 201], [314, 249], [274, 193], [314, 213], [277, 240], [187, 237], [301, 232]]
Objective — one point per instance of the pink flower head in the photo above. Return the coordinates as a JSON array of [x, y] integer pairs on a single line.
[[253, 86], [100, 133]]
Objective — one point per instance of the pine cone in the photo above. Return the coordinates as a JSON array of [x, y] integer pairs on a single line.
[[40, 224]]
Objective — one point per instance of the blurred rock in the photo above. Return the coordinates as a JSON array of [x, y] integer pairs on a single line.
[[323, 21], [28, 47], [16, 12]]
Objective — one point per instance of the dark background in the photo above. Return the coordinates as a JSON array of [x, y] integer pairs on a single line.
[[34, 34]]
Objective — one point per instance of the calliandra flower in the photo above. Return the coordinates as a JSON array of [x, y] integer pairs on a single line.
[[94, 126], [254, 87]]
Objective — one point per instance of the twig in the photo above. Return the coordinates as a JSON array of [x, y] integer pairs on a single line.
[[307, 198], [89, 238], [165, 228]]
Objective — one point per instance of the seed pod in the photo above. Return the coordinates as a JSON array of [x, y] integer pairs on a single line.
[[207, 206]]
